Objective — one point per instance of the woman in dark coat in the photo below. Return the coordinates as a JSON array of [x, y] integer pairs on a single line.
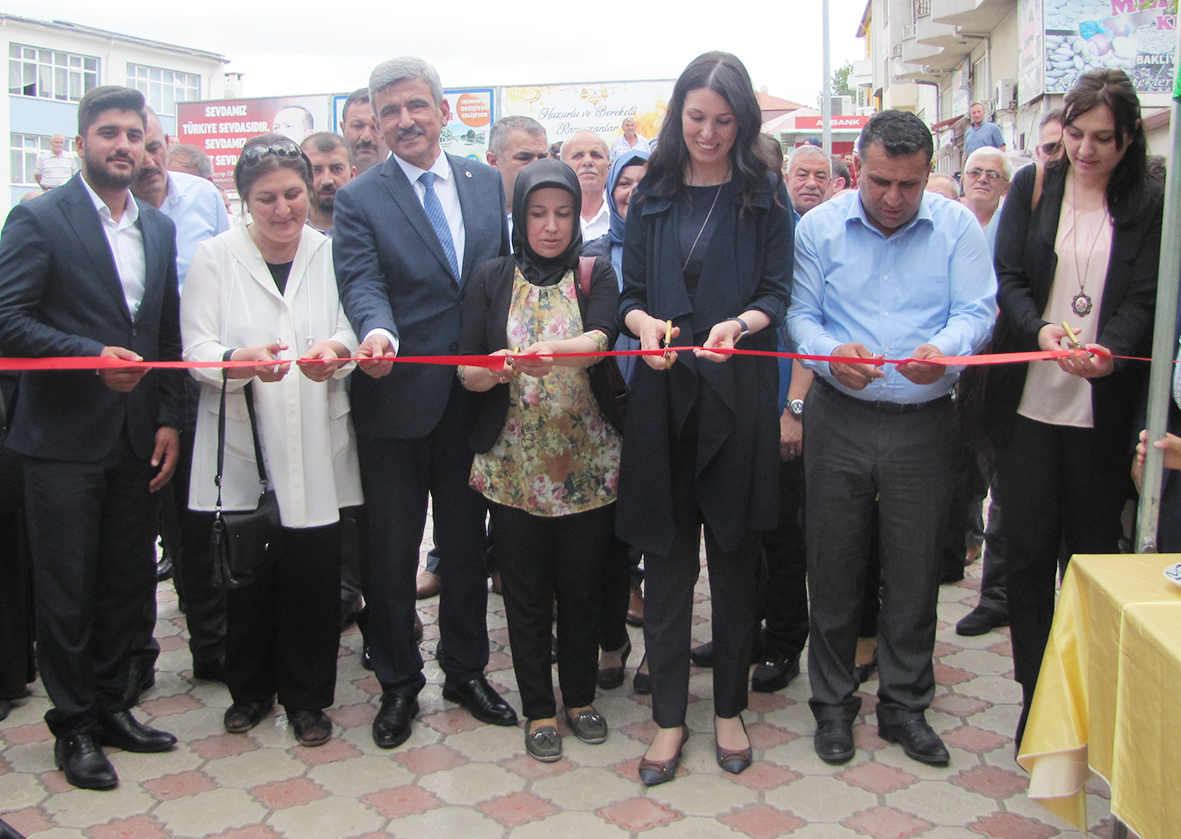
[[708, 249], [1085, 255]]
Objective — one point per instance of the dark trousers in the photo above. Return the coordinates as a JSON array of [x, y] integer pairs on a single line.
[[283, 630], [16, 606], [668, 605], [994, 578], [615, 592], [1054, 482], [540, 558], [397, 477], [91, 529], [854, 455], [785, 568]]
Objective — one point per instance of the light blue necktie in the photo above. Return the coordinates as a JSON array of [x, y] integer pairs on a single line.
[[434, 212]]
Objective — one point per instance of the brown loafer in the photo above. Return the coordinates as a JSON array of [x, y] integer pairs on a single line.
[[428, 585]]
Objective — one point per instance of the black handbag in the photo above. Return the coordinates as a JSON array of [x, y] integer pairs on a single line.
[[242, 540]]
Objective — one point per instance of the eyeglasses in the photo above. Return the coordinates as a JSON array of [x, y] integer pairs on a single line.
[[991, 174], [284, 148], [1050, 148]]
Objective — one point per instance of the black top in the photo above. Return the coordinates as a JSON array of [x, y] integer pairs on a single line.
[[280, 271], [697, 221]]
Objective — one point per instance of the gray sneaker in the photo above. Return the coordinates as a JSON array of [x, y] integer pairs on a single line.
[[589, 726], [544, 744]]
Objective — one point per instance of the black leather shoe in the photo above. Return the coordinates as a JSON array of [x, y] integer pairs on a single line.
[[481, 700], [241, 717], [834, 741], [141, 677], [981, 620], [311, 728], [862, 672], [703, 655], [774, 672], [612, 677], [918, 740], [164, 569], [5, 710], [391, 726], [123, 731], [84, 763], [642, 682]]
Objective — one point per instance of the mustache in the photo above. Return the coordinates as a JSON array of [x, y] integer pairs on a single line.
[[412, 131], [366, 145]]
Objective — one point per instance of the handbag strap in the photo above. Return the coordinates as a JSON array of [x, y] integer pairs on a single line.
[[221, 436], [1039, 178]]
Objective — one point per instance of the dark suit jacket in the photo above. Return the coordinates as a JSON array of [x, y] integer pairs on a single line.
[[1025, 266], [60, 295], [393, 275]]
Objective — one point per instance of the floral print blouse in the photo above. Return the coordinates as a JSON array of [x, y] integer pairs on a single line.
[[556, 455]]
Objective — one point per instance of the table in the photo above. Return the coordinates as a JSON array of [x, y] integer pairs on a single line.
[[1106, 694]]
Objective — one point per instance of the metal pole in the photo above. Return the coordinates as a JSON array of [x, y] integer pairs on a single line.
[[826, 94], [1164, 346]]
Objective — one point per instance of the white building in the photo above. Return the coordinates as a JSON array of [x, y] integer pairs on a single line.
[[52, 64]]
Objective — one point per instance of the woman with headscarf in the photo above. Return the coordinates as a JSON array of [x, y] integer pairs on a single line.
[[546, 459]]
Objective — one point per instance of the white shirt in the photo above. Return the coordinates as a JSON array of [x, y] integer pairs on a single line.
[[448, 196], [127, 247], [599, 224]]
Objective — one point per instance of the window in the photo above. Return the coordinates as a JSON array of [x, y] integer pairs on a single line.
[[25, 148], [50, 74], [163, 88]]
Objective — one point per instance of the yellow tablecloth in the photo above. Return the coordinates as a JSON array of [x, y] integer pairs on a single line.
[[1073, 720]]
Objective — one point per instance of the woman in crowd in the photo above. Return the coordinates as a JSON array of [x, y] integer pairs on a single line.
[[621, 572], [266, 292], [1078, 243], [546, 458], [706, 258]]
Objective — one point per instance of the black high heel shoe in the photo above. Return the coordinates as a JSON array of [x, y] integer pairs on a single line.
[[612, 677], [642, 683], [734, 762], [653, 772]]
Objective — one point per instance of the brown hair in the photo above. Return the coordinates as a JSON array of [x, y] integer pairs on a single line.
[[245, 175]]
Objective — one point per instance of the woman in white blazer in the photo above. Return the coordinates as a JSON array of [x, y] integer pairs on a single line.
[[267, 292]]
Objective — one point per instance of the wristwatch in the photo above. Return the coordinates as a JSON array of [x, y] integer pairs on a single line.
[[796, 406]]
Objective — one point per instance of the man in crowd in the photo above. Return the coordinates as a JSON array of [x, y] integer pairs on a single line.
[[980, 133], [586, 153], [406, 242], [945, 185], [1049, 141], [883, 273], [89, 271], [513, 143], [629, 140], [56, 166], [809, 170], [191, 160], [196, 209], [366, 144], [331, 170], [986, 181], [840, 177]]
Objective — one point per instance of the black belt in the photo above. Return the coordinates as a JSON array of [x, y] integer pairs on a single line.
[[887, 407]]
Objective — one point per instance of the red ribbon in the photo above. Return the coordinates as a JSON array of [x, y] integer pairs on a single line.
[[496, 362]]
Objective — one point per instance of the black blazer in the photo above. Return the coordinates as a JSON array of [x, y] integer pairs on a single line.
[[60, 295], [748, 265], [393, 275], [1025, 266], [484, 329]]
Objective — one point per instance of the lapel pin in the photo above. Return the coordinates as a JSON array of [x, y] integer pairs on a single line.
[[466, 172]]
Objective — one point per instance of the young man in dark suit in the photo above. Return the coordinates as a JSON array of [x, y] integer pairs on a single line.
[[408, 235], [86, 270]]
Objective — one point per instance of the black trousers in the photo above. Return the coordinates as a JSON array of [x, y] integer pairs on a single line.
[[785, 568], [615, 592], [540, 558], [16, 606], [91, 530], [668, 605], [1055, 482], [854, 455], [397, 477], [283, 630]]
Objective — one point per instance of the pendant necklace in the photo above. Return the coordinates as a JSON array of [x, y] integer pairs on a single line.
[[1081, 303], [693, 247]]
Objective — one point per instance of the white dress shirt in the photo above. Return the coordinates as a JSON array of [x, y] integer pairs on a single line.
[[448, 196], [127, 247], [600, 224]]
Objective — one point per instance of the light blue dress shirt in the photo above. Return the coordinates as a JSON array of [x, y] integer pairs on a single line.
[[196, 208], [931, 282]]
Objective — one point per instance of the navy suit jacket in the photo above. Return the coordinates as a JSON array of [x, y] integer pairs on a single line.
[[393, 275], [60, 295]]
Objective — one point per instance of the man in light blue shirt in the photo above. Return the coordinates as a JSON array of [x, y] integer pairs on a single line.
[[889, 271], [980, 133]]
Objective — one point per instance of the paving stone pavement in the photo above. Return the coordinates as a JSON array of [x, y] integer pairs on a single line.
[[458, 778]]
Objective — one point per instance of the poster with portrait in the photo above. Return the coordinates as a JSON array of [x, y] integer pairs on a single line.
[[595, 106], [220, 128]]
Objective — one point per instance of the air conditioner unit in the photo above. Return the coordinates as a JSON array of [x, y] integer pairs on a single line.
[[1006, 93]]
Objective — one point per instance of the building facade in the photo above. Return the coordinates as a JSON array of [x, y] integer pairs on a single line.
[[52, 64]]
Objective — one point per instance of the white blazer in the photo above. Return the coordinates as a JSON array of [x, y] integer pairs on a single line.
[[309, 449]]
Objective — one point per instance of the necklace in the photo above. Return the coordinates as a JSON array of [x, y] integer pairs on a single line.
[[1081, 303], [703, 224]]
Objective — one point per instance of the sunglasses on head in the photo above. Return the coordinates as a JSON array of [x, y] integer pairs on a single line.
[[283, 148]]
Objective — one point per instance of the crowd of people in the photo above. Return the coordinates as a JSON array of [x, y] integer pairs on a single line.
[[834, 493]]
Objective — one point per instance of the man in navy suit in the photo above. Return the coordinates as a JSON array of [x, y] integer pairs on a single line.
[[408, 235], [86, 270]]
